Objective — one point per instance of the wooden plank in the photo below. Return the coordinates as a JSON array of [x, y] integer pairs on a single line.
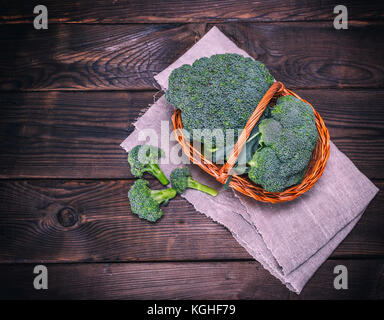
[[365, 281], [67, 134], [165, 11], [39, 227], [89, 57], [367, 238], [77, 134], [313, 55], [202, 280], [123, 57], [90, 221]]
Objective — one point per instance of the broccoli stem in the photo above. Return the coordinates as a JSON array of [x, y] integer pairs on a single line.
[[252, 163], [163, 195], [154, 169], [199, 186]]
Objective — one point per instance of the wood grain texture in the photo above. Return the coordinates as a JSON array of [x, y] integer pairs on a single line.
[[126, 57], [166, 11], [64, 179], [204, 280], [89, 57], [90, 221], [314, 54], [77, 134], [104, 229], [71, 134]]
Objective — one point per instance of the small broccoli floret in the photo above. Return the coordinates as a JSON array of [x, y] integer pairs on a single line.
[[219, 92], [181, 180], [287, 141], [145, 158], [146, 202], [265, 167], [270, 129]]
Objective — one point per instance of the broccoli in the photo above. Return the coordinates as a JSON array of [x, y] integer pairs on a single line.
[[220, 92], [181, 180], [146, 202], [286, 144], [144, 158]]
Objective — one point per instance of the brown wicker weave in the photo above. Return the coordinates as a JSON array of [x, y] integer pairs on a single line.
[[241, 183]]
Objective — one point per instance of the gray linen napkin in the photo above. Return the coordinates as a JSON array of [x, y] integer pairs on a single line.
[[291, 240]]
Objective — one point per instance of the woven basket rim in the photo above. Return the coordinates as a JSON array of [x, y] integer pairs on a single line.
[[242, 184]]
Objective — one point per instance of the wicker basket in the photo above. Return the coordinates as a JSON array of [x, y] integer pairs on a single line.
[[241, 183]]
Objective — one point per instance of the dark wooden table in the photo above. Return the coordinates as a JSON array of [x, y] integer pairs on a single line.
[[69, 95]]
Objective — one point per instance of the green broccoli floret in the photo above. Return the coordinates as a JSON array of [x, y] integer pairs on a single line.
[[181, 180], [146, 202], [220, 92], [286, 144], [145, 158], [270, 130]]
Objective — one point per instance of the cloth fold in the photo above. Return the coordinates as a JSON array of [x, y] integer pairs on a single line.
[[292, 239]]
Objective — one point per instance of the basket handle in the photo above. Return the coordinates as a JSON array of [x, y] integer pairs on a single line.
[[276, 88]]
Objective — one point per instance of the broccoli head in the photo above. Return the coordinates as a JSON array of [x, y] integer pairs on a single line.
[[146, 202], [286, 144], [145, 158], [181, 180], [220, 92]]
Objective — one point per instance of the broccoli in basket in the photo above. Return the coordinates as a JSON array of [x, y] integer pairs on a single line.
[[144, 158], [146, 202], [220, 92], [181, 180], [286, 144]]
